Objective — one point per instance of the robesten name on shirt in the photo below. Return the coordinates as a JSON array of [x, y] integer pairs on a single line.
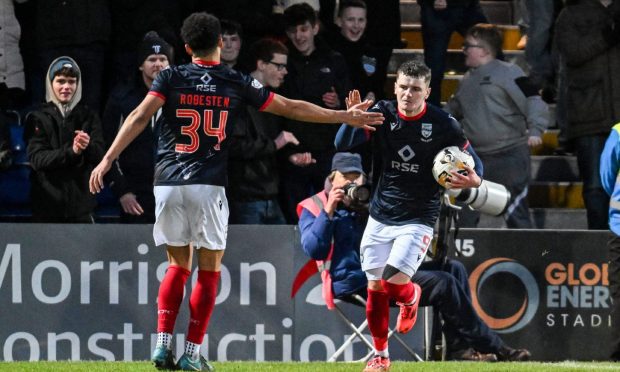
[[202, 100]]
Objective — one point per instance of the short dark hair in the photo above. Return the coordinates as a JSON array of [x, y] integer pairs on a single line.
[[344, 4], [230, 27], [67, 71], [264, 49], [489, 34], [415, 68], [201, 31], [298, 14]]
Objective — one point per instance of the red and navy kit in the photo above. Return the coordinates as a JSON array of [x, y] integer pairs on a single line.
[[202, 102], [404, 148]]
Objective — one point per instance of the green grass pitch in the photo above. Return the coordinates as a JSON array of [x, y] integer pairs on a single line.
[[397, 366]]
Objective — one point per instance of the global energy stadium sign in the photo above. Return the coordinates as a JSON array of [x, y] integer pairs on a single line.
[[543, 290]]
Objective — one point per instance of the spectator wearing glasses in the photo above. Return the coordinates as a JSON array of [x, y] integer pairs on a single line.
[[257, 138], [502, 114]]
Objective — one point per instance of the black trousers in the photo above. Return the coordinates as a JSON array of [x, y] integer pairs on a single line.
[[446, 288]]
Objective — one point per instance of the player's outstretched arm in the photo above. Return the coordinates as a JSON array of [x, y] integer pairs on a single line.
[[355, 116], [131, 128]]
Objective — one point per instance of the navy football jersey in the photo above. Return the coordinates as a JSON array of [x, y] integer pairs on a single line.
[[406, 192], [202, 103]]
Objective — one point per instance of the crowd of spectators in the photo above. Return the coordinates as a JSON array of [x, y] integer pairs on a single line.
[[332, 47]]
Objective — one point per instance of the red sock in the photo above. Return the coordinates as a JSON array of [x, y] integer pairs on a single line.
[[378, 315], [201, 304], [170, 297], [399, 292]]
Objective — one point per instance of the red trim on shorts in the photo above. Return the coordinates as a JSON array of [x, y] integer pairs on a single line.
[[267, 102]]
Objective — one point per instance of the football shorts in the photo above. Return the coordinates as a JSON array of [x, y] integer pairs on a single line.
[[196, 214], [403, 247]]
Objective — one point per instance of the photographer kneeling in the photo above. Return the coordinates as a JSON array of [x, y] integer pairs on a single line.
[[332, 223]]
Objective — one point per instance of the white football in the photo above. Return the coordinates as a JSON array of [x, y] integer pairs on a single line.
[[447, 159]]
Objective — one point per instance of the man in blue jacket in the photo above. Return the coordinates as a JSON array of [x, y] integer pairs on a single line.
[[330, 216]]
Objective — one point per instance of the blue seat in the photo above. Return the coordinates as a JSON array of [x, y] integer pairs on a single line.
[[15, 182]]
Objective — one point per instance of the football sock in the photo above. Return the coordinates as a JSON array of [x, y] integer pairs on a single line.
[[164, 339], [193, 350], [170, 297], [383, 353], [402, 293], [201, 305], [378, 315]]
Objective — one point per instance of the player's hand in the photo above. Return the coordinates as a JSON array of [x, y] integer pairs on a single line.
[[356, 111], [285, 138], [80, 141], [353, 99], [301, 159], [130, 204], [95, 183], [534, 141], [464, 181], [331, 99]]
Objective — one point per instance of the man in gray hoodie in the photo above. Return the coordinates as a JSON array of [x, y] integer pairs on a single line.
[[502, 114]]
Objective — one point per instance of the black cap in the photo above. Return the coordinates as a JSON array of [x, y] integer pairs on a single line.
[[346, 162], [153, 44]]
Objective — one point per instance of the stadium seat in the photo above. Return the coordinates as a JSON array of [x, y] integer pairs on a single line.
[[15, 182]]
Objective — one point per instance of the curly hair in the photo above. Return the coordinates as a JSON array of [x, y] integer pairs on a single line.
[[201, 31]]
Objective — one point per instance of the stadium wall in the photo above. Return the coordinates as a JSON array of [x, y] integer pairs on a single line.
[[84, 292]]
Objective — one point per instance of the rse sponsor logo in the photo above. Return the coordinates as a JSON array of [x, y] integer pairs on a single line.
[[405, 167], [205, 86]]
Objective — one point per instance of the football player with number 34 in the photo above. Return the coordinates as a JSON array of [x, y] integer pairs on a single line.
[[200, 103], [406, 198]]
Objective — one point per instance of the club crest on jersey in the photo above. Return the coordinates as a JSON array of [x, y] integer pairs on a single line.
[[427, 131], [205, 86], [394, 126]]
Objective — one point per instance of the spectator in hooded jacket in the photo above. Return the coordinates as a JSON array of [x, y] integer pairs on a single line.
[[65, 142]]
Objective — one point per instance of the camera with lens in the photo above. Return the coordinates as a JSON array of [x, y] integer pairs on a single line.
[[490, 198], [359, 194]]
